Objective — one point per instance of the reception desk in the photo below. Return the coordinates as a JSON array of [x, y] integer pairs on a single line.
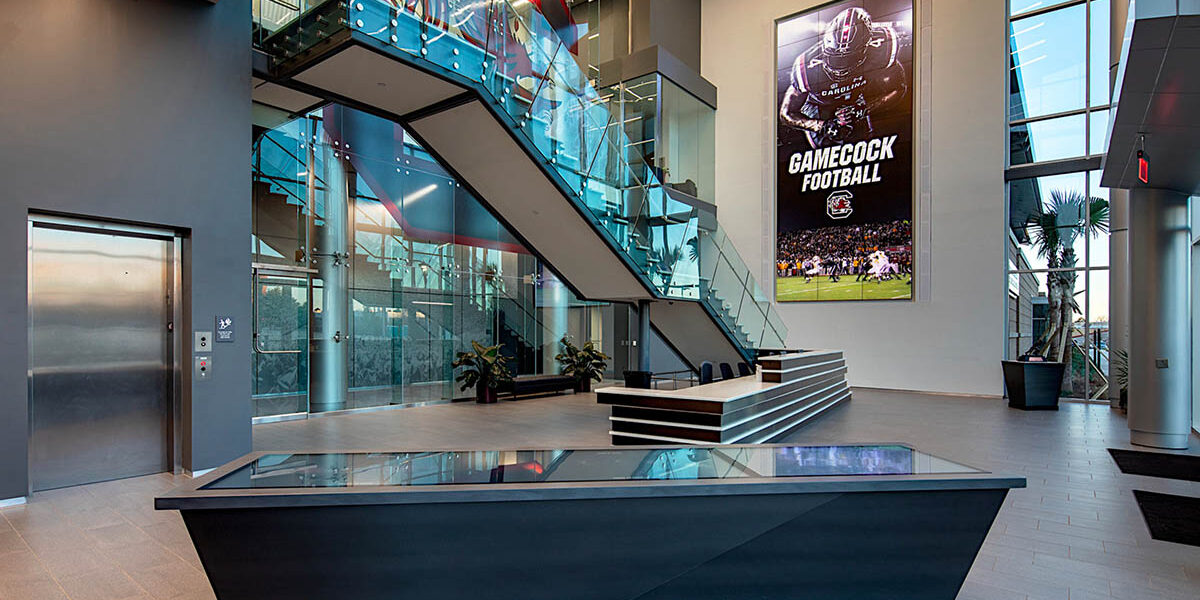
[[788, 391], [774, 521]]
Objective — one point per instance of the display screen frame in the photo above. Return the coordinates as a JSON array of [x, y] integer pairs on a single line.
[[887, 205]]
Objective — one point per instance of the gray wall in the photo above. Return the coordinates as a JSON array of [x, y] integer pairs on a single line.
[[952, 339], [672, 24], [133, 111]]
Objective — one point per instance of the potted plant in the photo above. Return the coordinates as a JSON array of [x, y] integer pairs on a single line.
[[585, 364], [1035, 381], [484, 369], [1120, 365]]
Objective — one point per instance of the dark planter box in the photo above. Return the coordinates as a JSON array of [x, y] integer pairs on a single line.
[[583, 386], [485, 395], [638, 379], [1033, 385]]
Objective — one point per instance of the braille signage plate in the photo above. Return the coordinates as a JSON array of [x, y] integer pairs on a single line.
[[223, 328]]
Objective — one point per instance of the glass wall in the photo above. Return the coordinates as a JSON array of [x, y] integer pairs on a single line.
[[430, 269], [1058, 80], [670, 131], [1057, 264]]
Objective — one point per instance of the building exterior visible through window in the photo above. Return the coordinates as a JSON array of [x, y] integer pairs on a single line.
[[1058, 259]]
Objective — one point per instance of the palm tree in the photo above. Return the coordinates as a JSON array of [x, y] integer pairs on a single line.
[[1055, 228]]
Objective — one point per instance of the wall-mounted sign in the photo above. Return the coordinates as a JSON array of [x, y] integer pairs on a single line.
[[223, 329], [844, 199]]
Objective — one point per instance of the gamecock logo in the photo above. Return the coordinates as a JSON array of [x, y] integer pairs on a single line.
[[838, 205]]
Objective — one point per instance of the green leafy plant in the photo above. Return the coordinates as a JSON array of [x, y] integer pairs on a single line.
[[483, 368], [1120, 366], [1054, 228], [585, 364]]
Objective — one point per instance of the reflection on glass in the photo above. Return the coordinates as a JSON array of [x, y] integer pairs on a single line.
[[280, 340], [1019, 7], [560, 466], [1050, 139], [525, 67], [1048, 63], [1098, 53], [430, 270], [1097, 132], [688, 142], [1098, 249]]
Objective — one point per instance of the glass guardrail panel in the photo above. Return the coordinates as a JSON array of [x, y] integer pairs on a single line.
[[735, 260], [776, 329], [685, 276], [318, 20], [753, 319], [726, 292]]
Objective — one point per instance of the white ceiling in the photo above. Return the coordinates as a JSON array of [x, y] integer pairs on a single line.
[[376, 80]]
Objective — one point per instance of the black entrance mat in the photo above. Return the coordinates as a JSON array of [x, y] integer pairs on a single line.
[[1170, 518], [1157, 464]]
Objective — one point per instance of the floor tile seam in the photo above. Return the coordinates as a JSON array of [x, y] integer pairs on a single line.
[[42, 563], [1135, 575]]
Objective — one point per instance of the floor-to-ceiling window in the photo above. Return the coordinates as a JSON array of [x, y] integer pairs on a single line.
[[1058, 259]]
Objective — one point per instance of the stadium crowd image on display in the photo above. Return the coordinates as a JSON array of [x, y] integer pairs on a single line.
[[844, 198]]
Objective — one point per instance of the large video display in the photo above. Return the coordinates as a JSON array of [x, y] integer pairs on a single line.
[[844, 200]]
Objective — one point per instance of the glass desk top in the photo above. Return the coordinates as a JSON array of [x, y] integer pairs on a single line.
[[375, 469]]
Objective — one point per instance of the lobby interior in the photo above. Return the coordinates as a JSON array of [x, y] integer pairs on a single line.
[[408, 199]]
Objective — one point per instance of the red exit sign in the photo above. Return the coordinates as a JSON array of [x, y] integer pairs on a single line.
[[1143, 167]]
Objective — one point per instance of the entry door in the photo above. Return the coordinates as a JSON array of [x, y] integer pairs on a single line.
[[100, 354], [281, 301]]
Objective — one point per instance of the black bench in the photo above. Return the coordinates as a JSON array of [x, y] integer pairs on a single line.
[[538, 384]]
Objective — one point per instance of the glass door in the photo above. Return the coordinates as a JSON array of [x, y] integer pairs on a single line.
[[280, 351]]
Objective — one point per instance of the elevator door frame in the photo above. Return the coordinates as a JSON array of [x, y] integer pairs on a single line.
[[177, 310]]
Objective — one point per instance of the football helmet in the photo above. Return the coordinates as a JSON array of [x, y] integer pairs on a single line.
[[844, 45]]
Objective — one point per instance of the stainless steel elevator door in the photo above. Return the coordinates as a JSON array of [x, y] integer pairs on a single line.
[[99, 356]]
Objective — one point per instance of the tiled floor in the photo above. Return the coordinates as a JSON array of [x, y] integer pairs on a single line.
[[1074, 533]]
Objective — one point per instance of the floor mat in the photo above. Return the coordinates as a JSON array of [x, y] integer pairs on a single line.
[[1157, 464], [1170, 518]]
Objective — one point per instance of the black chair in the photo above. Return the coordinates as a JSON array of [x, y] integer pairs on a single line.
[[706, 374], [745, 370], [726, 371]]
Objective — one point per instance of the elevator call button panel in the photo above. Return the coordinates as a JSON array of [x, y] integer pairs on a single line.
[[202, 370], [203, 341]]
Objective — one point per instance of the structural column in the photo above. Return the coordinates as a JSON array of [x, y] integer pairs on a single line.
[[554, 321], [330, 376], [1160, 341], [643, 336]]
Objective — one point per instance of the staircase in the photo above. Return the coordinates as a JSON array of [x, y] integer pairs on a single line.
[[489, 89]]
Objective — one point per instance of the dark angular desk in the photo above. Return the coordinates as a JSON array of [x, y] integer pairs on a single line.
[[729, 522]]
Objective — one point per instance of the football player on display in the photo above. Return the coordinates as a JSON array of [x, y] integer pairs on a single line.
[[843, 78]]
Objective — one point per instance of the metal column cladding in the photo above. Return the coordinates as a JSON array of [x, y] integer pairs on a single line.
[[330, 378], [1160, 345]]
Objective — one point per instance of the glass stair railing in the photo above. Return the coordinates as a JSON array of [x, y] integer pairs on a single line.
[[511, 55]]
